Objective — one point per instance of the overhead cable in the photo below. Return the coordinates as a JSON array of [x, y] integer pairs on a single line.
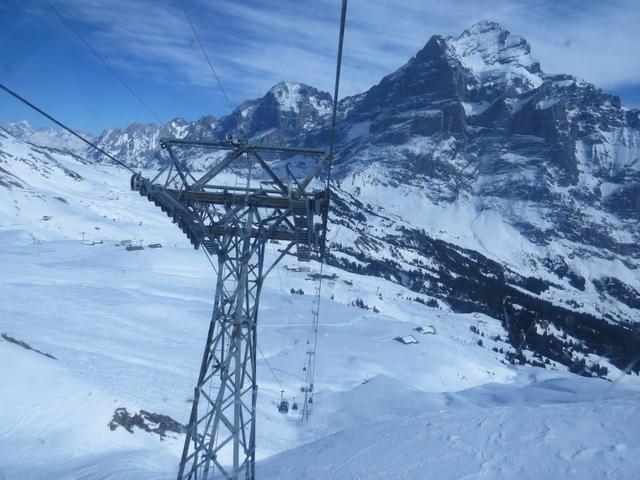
[[101, 58], [206, 56], [62, 125]]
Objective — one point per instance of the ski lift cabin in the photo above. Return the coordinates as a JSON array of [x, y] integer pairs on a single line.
[[283, 406]]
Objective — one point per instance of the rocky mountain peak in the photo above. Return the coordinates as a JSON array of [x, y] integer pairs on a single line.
[[19, 129], [495, 59], [286, 111], [291, 96], [487, 43], [287, 94], [469, 72]]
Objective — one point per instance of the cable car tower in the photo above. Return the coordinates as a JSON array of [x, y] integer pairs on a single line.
[[234, 223]]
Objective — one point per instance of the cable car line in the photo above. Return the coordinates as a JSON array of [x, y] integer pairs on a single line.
[[104, 62], [63, 126], [343, 18], [206, 56], [310, 368], [270, 367]]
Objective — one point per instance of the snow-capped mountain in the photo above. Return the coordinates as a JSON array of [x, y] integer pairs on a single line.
[[473, 176], [139, 143], [47, 137], [285, 114]]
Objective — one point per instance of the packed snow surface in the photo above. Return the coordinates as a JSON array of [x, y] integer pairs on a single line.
[[127, 330]]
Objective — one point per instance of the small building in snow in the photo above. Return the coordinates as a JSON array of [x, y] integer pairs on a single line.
[[428, 330], [407, 339]]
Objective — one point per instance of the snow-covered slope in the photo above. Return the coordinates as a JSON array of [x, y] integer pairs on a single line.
[[126, 329], [503, 437], [50, 194]]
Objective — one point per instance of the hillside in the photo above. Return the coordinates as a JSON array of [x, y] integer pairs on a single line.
[[125, 329]]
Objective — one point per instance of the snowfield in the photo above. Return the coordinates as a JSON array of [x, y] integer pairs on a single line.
[[127, 330], [490, 442]]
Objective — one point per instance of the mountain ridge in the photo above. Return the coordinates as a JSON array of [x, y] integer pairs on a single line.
[[471, 175]]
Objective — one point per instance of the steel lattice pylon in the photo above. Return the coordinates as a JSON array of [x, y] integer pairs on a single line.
[[234, 223], [227, 415]]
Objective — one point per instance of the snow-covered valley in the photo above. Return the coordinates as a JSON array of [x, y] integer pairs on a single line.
[[127, 327], [127, 330]]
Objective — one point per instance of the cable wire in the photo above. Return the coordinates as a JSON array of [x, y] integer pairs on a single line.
[[204, 52], [325, 219], [206, 253], [101, 58], [62, 125], [343, 18], [316, 310], [270, 367]]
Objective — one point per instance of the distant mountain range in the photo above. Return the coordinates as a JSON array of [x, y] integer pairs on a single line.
[[470, 175], [47, 137]]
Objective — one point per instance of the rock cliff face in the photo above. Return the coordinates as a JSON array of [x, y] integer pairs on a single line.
[[472, 173]]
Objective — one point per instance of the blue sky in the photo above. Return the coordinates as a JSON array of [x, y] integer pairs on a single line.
[[256, 43]]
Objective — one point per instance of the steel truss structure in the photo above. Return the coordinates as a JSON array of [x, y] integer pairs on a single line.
[[234, 223]]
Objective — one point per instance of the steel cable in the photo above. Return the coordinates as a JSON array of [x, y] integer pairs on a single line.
[[68, 129]]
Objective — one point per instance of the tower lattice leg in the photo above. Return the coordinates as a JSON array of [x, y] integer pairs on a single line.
[[220, 441]]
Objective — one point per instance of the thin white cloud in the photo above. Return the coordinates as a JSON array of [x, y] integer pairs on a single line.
[[255, 44]]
